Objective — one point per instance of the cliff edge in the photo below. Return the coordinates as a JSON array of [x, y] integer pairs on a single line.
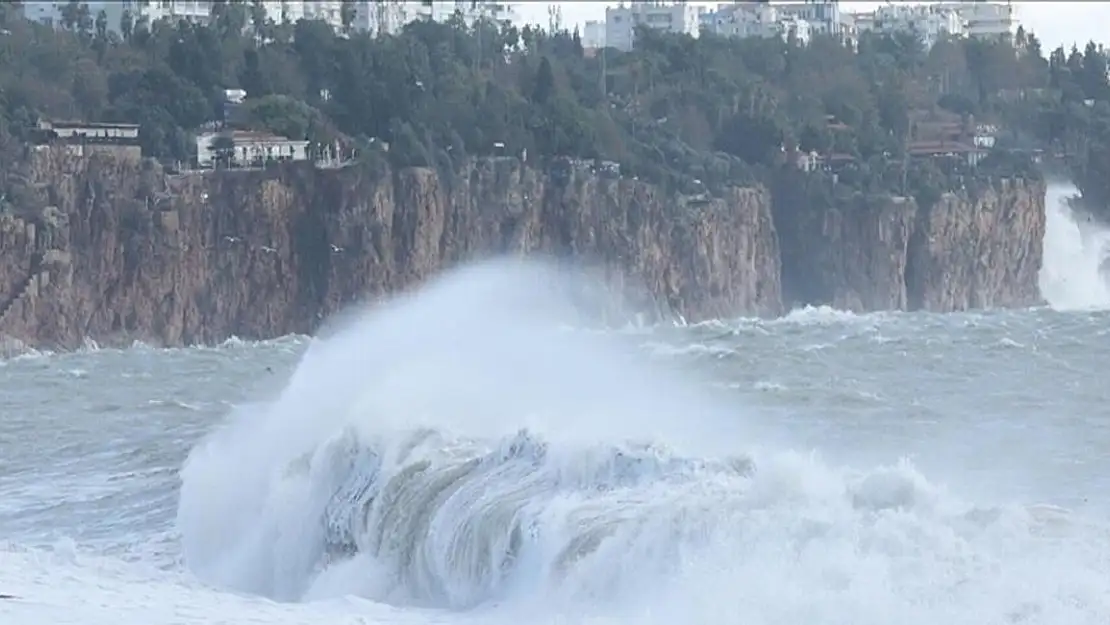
[[119, 252]]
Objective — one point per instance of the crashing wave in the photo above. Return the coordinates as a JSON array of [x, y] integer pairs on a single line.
[[426, 519], [451, 520]]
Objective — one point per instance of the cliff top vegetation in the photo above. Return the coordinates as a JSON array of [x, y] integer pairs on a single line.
[[686, 111]]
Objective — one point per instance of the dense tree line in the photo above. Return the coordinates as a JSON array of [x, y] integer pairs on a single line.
[[689, 111]]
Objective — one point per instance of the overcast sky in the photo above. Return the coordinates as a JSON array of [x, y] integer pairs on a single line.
[[1054, 22]]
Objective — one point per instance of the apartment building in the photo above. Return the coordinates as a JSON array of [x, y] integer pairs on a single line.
[[743, 20], [928, 22], [377, 16], [797, 20], [823, 16], [292, 11], [593, 35], [932, 21], [987, 19], [382, 17], [440, 10], [674, 17], [52, 12]]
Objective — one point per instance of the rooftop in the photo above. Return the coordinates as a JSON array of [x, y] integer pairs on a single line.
[[253, 136], [921, 148], [45, 124]]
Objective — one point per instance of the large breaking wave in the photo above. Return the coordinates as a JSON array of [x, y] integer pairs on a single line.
[[455, 450]]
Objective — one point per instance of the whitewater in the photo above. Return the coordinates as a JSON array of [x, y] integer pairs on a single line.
[[473, 453]]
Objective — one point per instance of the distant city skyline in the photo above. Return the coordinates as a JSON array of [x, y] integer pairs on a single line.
[[1055, 23]]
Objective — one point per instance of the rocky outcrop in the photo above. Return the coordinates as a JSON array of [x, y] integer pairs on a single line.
[[979, 250], [975, 249], [120, 252]]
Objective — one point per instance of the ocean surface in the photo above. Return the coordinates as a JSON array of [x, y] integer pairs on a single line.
[[461, 456]]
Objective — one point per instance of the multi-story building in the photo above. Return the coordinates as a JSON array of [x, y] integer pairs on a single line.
[[154, 10], [823, 16], [748, 19], [676, 17], [593, 34], [292, 11], [799, 20], [792, 28], [471, 10], [377, 16], [849, 28], [928, 22], [987, 19], [114, 10], [382, 17]]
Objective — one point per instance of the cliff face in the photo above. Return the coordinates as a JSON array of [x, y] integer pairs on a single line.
[[981, 252], [888, 253], [117, 251], [122, 252]]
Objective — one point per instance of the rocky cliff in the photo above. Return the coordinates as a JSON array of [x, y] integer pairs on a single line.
[[116, 251], [980, 248]]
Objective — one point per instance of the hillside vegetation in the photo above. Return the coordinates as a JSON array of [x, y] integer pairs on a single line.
[[680, 111]]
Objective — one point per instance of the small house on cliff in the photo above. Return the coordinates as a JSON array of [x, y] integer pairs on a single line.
[[245, 148], [84, 138]]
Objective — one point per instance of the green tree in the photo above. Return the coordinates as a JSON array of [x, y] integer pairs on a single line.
[[347, 12], [126, 24], [223, 150], [545, 83]]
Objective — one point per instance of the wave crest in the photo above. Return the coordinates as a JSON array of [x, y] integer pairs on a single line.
[[452, 520]]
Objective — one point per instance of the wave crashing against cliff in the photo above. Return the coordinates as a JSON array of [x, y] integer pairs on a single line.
[[1074, 274], [452, 451]]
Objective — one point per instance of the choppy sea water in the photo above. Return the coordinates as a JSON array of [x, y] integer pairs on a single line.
[[456, 459]]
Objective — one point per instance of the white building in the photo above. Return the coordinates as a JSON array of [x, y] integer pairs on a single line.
[[801, 31], [822, 15], [621, 21], [91, 131], [748, 19], [865, 22], [987, 19], [593, 34], [114, 10], [249, 149], [85, 138], [762, 19], [292, 11], [800, 19], [193, 10], [369, 15], [383, 17], [471, 10], [52, 12], [849, 28], [932, 21], [929, 22]]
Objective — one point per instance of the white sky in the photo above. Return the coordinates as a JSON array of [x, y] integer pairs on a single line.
[[1054, 22]]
